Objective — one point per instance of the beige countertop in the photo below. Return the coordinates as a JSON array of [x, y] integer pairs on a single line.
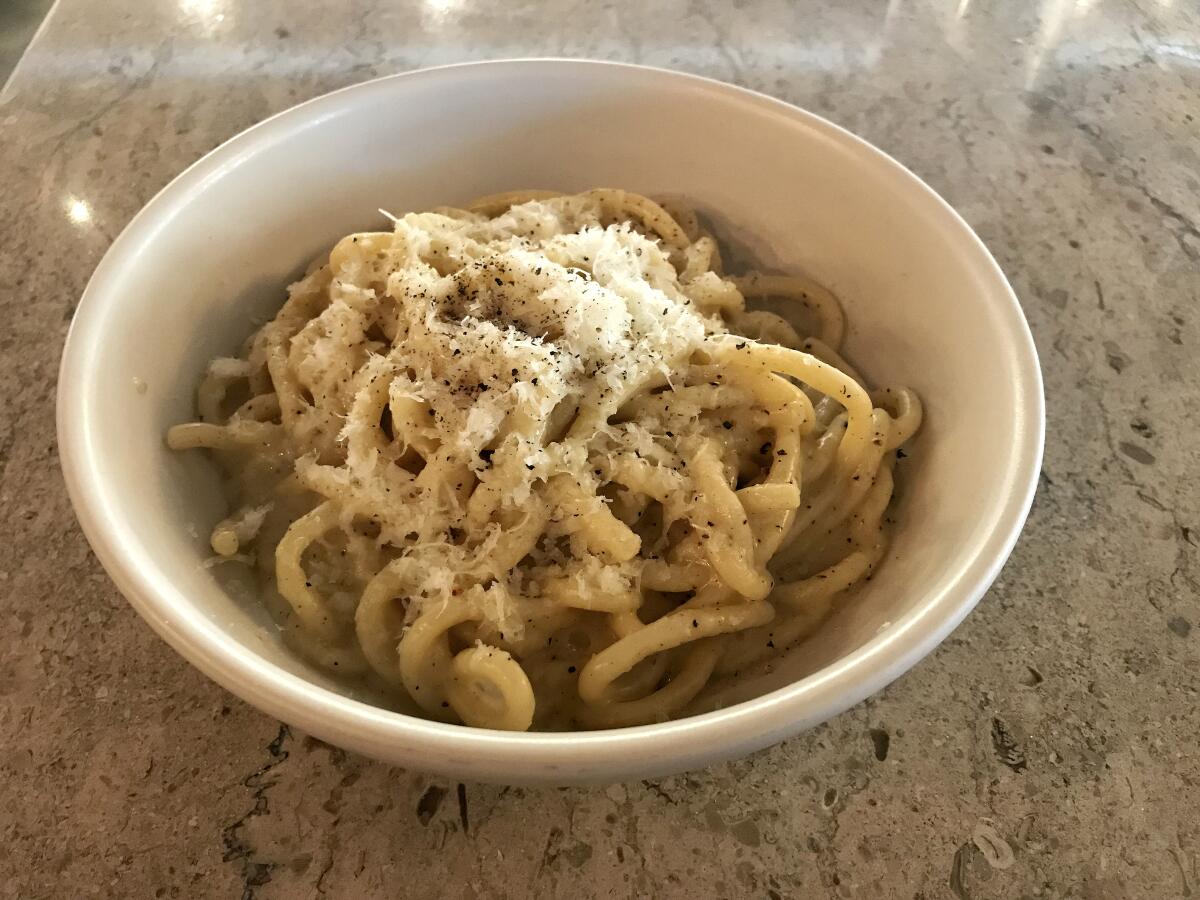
[[1047, 749]]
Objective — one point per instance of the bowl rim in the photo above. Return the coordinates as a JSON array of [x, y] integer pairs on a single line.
[[673, 745]]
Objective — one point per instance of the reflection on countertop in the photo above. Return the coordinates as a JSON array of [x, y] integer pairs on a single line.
[[1046, 749]]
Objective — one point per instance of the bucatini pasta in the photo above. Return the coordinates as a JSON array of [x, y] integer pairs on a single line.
[[533, 463]]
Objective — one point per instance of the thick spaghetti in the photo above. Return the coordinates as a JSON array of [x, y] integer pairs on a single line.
[[534, 464]]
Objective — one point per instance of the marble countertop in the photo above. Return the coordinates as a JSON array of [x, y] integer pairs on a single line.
[[1047, 749]]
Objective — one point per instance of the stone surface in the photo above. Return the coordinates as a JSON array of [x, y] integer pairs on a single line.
[[1047, 749]]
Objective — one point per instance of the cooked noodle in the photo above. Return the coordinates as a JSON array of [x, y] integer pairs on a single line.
[[534, 464]]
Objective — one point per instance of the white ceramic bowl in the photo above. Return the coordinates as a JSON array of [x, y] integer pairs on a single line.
[[927, 307]]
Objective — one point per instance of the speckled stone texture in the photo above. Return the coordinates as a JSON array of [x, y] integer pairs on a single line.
[[1047, 749]]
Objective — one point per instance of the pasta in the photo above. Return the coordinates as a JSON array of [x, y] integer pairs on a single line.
[[535, 464]]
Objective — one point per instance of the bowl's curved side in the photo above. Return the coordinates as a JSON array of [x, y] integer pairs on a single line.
[[98, 419]]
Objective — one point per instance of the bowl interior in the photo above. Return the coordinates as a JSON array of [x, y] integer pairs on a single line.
[[210, 257]]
